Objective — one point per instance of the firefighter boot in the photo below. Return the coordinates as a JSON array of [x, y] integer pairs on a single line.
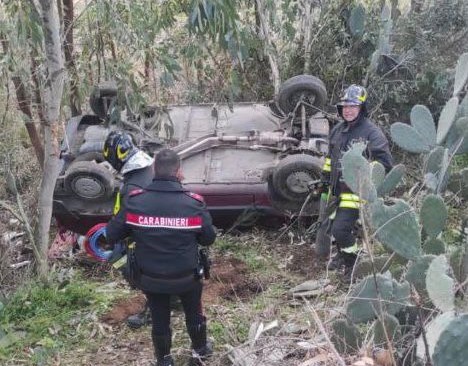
[[336, 262], [201, 348], [162, 350], [349, 260], [138, 320]]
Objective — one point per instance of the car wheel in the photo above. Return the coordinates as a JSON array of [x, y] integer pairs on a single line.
[[100, 98], [292, 174], [310, 88], [89, 181]]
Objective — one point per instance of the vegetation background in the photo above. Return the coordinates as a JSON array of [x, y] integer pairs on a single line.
[[188, 51]]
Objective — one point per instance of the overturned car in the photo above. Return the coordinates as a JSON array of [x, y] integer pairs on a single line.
[[250, 161]]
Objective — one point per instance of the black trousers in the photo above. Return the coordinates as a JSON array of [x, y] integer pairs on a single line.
[[343, 227], [160, 307]]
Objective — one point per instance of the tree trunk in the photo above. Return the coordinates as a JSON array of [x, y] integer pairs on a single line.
[[270, 48], [68, 45], [24, 103], [52, 97], [307, 31]]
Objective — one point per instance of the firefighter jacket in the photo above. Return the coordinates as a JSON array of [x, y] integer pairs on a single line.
[[167, 223], [138, 177], [341, 138]]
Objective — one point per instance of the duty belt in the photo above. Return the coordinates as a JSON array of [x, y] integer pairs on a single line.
[[170, 276]]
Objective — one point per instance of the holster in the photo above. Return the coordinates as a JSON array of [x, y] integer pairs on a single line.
[[133, 271]]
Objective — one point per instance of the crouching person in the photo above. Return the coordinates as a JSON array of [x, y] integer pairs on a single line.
[[167, 224]]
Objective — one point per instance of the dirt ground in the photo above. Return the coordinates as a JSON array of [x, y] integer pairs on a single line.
[[230, 280]]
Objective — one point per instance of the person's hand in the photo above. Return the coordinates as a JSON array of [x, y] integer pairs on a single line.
[[317, 187]]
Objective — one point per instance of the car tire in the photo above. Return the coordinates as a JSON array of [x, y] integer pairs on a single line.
[[98, 97], [89, 181], [312, 88], [292, 174]]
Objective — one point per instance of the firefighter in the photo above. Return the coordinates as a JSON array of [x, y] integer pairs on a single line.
[[136, 168], [167, 223], [355, 127]]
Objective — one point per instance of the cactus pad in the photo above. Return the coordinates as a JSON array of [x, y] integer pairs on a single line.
[[451, 348], [434, 160], [446, 119], [434, 246], [433, 215], [357, 21], [440, 286], [392, 327], [416, 274], [397, 228], [377, 173], [392, 180], [457, 263], [433, 331], [408, 138], [461, 74], [363, 304], [459, 130], [422, 121], [357, 173], [346, 337]]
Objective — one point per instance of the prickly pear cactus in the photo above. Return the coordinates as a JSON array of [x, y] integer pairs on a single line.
[[357, 173], [458, 131], [446, 119], [357, 21], [397, 227], [433, 331], [364, 304], [392, 180], [434, 246], [440, 286], [400, 297], [346, 337], [392, 327], [434, 160], [408, 138], [423, 123], [457, 262], [452, 347], [377, 173], [416, 274], [461, 74], [433, 215]]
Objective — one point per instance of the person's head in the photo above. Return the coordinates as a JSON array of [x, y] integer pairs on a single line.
[[167, 164], [353, 103], [118, 149]]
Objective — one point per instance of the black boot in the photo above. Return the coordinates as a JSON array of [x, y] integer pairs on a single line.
[[336, 262], [162, 350], [138, 320], [349, 260], [201, 348], [166, 361]]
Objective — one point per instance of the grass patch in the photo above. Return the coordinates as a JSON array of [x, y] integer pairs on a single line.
[[48, 318]]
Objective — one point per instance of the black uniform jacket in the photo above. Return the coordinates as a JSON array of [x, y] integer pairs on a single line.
[[343, 136], [167, 223], [138, 178]]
